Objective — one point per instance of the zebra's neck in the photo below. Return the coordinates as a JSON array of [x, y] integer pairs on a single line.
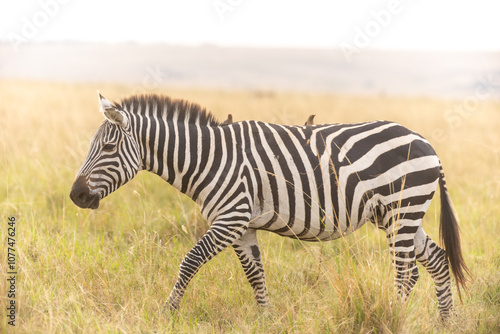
[[182, 149]]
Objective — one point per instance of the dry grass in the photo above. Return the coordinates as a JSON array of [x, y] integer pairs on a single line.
[[111, 270]]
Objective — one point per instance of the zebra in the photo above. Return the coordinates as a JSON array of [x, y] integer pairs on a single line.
[[313, 183]]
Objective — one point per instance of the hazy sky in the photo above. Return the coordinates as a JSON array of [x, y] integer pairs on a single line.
[[389, 24]]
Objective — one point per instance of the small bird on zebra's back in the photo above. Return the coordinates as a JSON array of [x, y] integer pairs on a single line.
[[309, 123], [229, 119], [310, 120]]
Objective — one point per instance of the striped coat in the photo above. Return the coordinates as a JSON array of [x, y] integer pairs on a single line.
[[314, 183]]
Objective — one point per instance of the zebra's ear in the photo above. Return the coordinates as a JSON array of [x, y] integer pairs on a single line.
[[111, 113]]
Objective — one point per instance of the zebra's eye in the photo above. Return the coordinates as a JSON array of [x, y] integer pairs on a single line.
[[108, 147]]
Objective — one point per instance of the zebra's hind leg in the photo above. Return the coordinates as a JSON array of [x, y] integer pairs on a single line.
[[401, 243], [218, 237], [433, 258], [247, 250]]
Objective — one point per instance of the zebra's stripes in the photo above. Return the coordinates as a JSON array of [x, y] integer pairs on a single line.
[[313, 182]]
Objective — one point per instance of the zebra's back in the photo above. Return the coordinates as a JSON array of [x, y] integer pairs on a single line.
[[315, 183]]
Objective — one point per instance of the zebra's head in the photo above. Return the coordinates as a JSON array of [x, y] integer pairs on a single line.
[[112, 161]]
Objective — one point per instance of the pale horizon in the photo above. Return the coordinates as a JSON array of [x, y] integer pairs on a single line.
[[442, 49], [377, 25]]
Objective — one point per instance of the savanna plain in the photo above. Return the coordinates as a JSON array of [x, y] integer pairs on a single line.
[[111, 270]]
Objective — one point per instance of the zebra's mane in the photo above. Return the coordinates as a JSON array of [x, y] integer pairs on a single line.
[[154, 103]]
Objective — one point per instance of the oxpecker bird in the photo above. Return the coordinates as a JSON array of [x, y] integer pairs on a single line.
[[229, 119], [310, 120]]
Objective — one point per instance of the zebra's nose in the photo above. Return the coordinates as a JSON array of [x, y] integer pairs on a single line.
[[81, 196]]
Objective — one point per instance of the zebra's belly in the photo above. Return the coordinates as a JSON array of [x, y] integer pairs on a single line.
[[300, 228]]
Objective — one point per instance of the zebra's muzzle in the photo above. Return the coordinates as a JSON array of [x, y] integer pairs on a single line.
[[81, 196]]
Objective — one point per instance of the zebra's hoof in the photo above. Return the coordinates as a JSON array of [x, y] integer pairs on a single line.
[[169, 308], [445, 316]]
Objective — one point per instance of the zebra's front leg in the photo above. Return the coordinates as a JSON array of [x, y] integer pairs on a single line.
[[218, 237], [247, 250]]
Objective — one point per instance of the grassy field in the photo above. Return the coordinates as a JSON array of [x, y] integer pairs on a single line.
[[111, 270]]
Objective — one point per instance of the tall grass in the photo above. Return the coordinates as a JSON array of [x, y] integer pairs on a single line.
[[111, 270]]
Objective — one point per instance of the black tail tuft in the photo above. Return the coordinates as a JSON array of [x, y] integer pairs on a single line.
[[449, 234]]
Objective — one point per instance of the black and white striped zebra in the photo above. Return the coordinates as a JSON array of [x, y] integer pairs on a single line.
[[313, 183]]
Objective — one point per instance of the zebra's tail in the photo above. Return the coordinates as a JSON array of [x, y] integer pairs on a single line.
[[450, 237]]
